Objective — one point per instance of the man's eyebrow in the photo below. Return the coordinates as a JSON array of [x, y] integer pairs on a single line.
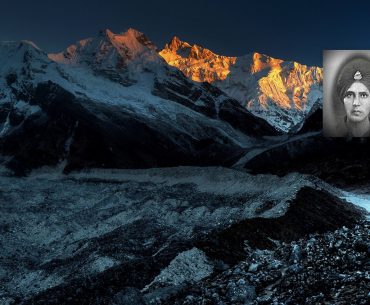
[[350, 92]]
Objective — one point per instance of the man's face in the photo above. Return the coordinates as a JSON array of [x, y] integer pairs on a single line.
[[357, 102]]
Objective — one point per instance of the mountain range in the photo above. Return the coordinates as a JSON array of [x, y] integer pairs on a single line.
[[114, 100], [281, 92]]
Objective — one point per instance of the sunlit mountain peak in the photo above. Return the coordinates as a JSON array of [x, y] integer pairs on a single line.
[[109, 50], [282, 92]]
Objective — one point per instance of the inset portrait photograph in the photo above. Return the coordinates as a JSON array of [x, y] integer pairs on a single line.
[[346, 107]]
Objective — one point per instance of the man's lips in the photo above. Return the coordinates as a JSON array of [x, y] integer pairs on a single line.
[[356, 112]]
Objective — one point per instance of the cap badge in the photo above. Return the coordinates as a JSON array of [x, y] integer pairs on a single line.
[[357, 75]]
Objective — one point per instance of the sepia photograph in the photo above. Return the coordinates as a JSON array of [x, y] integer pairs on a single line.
[[346, 105]]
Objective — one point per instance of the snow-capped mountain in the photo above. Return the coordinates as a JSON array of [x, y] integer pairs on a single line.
[[121, 57], [112, 101], [281, 92]]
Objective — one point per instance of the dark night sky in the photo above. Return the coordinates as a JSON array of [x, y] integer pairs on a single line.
[[291, 30]]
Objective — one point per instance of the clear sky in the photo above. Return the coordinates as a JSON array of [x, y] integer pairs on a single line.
[[290, 30]]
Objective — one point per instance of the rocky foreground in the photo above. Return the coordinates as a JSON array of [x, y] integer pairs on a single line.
[[330, 268], [183, 235]]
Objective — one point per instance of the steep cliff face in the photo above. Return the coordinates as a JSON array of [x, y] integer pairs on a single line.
[[281, 92]]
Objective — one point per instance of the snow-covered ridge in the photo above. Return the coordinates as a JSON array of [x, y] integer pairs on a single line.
[[281, 92], [110, 51], [15, 55]]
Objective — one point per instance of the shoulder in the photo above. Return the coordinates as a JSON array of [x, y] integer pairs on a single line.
[[367, 134]]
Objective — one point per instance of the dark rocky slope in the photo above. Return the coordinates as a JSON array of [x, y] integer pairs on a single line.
[[100, 238], [339, 161], [89, 134], [330, 268]]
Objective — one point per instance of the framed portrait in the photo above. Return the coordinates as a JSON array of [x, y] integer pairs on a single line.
[[346, 106]]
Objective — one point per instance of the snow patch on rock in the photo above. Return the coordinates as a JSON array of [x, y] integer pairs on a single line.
[[188, 266], [360, 200], [100, 264]]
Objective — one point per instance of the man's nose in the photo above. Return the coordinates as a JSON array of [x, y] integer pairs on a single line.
[[356, 100]]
